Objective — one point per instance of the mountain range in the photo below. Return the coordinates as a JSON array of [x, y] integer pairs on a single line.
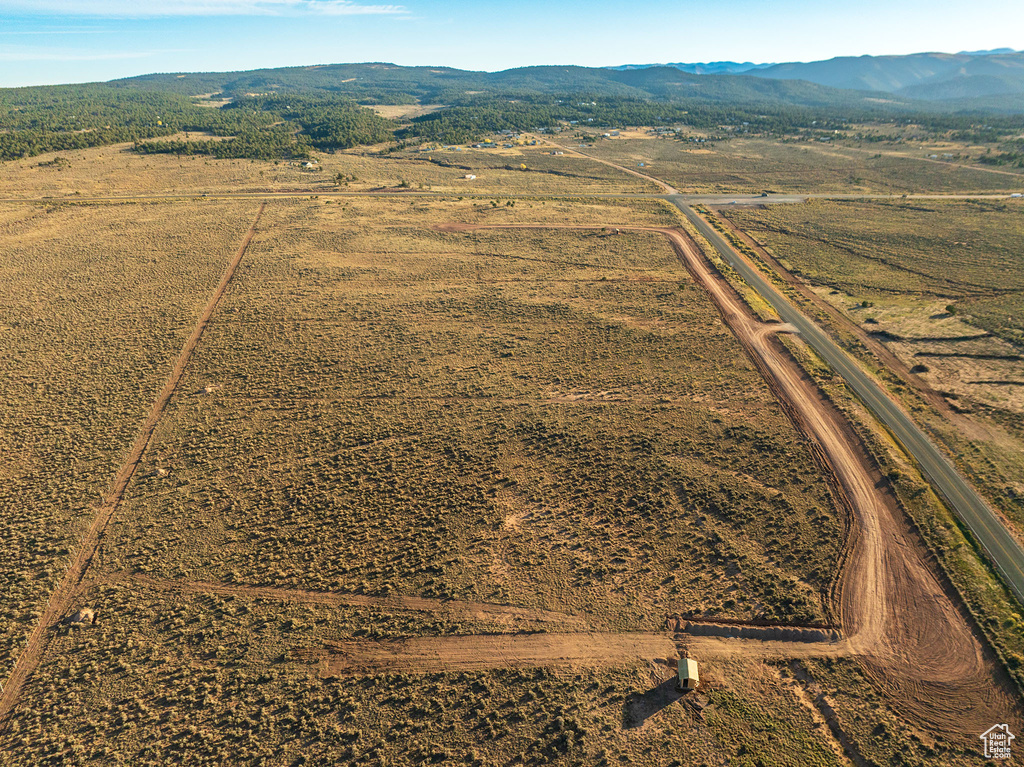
[[992, 79], [390, 84]]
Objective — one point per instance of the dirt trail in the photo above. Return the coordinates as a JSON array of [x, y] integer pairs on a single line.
[[892, 608], [62, 597], [455, 608], [904, 156], [969, 427], [484, 651], [661, 184]]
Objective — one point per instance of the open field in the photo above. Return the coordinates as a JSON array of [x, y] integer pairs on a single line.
[[99, 302], [895, 258], [431, 486], [164, 677], [540, 386], [754, 165], [577, 476], [117, 170]]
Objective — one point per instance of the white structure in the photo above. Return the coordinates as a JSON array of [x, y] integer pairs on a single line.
[[688, 678]]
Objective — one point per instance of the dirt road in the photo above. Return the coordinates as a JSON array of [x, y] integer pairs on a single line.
[[483, 651], [970, 428], [62, 598], [661, 184], [892, 609], [998, 542]]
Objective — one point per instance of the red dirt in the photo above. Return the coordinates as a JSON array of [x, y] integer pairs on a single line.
[[483, 651], [63, 596]]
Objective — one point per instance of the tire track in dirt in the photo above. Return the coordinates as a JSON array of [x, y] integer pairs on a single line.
[[486, 651], [452, 607], [894, 611], [64, 594]]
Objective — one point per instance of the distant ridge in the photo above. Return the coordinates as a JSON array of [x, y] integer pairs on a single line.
[[968, 79], [988, 52], [962, 77], [708, 68], [381, 82]]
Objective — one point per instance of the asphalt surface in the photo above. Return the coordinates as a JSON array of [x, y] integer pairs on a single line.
[[1002, 549]]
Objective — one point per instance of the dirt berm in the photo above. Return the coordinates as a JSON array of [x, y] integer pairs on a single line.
[[776, 633]]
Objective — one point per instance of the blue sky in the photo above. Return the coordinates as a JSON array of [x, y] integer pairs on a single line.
[[59, 41]]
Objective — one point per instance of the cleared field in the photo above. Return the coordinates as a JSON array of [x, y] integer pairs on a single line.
[[755, 165], [524, 409], [116, 170], [99, 300], [896, 269], [165, 677]]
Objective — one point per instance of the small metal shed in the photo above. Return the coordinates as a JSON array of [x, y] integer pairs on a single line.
[[688, 679]]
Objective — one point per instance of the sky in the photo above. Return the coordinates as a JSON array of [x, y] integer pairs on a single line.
[[69, 41]]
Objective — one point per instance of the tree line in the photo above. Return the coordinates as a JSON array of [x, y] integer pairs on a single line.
[[291, 123]]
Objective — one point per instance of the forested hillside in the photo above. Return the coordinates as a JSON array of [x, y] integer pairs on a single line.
[[282, 113]]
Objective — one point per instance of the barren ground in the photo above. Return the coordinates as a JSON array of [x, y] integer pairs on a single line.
[[534, 619]]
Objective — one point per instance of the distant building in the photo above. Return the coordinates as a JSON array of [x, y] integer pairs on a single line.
[[469, 176]]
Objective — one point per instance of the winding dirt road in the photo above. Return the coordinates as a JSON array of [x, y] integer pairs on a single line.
[[894, 613]]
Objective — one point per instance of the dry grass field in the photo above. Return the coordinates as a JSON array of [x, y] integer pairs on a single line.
[[550, 422], [527, 403], [98, 301], [116, 170], [896, 269], [403, 435], [754, 165], [206, 680]]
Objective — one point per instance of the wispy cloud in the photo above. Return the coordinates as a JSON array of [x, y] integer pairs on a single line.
[[48, 32], [136, 9], [50, 54]]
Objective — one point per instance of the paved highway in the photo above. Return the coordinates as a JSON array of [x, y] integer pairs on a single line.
[[1002, 549]]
